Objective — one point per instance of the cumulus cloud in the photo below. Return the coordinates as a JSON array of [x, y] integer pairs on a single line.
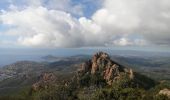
[[125, 41], [65, 5], [147, 18], [50, 28], [40, 26], [52, 23]]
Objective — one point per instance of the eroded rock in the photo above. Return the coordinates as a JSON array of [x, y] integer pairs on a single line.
[[102, 63], [45, 80]]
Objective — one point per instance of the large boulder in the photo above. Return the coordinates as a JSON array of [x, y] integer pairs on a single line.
[[165, 92]]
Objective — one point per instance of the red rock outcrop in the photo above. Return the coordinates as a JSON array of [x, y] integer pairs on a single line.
[[44, 81], [109, 69]]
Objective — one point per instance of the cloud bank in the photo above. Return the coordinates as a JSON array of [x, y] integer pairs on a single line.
[[117, 22]]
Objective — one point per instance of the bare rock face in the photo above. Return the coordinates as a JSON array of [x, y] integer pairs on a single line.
[[165, 92], [85, 67], [110, 70], [45, 80], [99, 61]]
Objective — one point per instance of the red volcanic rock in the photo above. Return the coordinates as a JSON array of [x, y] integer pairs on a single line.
[[102, 63], [98, 60]]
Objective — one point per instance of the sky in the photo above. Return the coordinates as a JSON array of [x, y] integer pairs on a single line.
[[85, 23]]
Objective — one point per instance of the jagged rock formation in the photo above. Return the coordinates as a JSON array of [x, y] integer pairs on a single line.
[[110, 70], [98, 79], [165, 92], [99, 71], [45, 80]]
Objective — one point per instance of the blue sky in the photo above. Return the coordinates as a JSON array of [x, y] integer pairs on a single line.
[[85, 23]]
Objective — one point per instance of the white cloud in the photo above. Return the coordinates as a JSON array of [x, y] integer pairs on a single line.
[[147, 18], [122, 42], [129, 42], [40, 27], [117, 22], [43, 27], [64, 5]]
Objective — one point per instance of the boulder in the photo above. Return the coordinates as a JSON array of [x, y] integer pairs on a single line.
[[165, 92]]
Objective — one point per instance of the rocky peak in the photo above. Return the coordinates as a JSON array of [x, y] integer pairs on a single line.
[[101, 63], [45, 80], [47, 77]]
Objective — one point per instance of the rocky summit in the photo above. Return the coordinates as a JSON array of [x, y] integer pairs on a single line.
[[108, 69]]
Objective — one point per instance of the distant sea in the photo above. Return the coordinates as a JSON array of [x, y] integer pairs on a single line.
[[11, 55], [8, 56]]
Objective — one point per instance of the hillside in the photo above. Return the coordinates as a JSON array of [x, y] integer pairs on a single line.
[[99, 78]]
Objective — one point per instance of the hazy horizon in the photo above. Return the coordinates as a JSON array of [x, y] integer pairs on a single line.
[[12, 55]]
